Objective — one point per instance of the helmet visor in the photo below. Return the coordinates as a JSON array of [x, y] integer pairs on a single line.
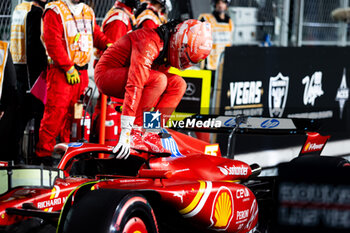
[[185, 60]]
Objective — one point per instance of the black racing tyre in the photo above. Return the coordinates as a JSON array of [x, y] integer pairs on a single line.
[[110, 211]]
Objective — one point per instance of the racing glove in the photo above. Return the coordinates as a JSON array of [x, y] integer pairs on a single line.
[[72, 76], [122, 149]]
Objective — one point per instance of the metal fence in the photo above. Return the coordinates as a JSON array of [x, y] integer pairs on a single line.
[[279, 22], [5, 19], [314, 25], [259, 22]]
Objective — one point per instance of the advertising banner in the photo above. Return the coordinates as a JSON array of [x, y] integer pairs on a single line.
[[294, 82]]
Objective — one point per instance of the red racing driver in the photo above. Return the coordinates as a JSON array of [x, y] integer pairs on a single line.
[[135, 68]]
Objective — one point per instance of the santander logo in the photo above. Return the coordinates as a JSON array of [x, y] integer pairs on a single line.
[[239, 170]]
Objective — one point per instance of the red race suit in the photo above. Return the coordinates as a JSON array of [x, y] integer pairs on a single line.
[[128, 70], [118, 21]]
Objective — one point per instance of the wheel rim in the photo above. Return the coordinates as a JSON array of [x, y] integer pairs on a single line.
[[135, 225]]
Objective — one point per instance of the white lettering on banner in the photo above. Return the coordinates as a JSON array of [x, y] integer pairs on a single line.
[[312, 115], [342, 94], [313, 88], [243, 93], [248, 112], [242, 170]]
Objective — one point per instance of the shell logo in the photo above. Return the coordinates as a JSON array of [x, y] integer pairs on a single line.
[[307, 147], [222, 211], [55, 192]]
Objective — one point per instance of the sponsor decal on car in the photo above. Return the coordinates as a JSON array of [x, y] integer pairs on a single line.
[[313, 147], [242, 216], [253, 212], [222, 210], [314, 143], [211, 149], [278, 93], [269, 124], [231, 122], [75, 144], [170, 144], [199, 200], [179, 195], [47, 205], [242, 193], [239, 170]]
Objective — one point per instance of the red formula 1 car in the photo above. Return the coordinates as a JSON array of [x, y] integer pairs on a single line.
[[186, 191]]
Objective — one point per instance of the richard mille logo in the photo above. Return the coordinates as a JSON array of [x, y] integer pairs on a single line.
[[342, 94]]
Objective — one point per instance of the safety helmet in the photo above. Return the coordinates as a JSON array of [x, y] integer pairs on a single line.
[[190, 43], [131, 3], [213, 2]]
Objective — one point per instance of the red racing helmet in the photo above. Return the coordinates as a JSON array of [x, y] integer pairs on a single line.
[[190, 43]]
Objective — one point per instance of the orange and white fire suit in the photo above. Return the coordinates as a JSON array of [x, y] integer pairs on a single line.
[[18, 33], [149, 19], [222, 33], [128, 70], [118, 21], [69, 40], [3, 58]]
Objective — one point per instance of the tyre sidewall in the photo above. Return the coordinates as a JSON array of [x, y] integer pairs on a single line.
[[134, 205]]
